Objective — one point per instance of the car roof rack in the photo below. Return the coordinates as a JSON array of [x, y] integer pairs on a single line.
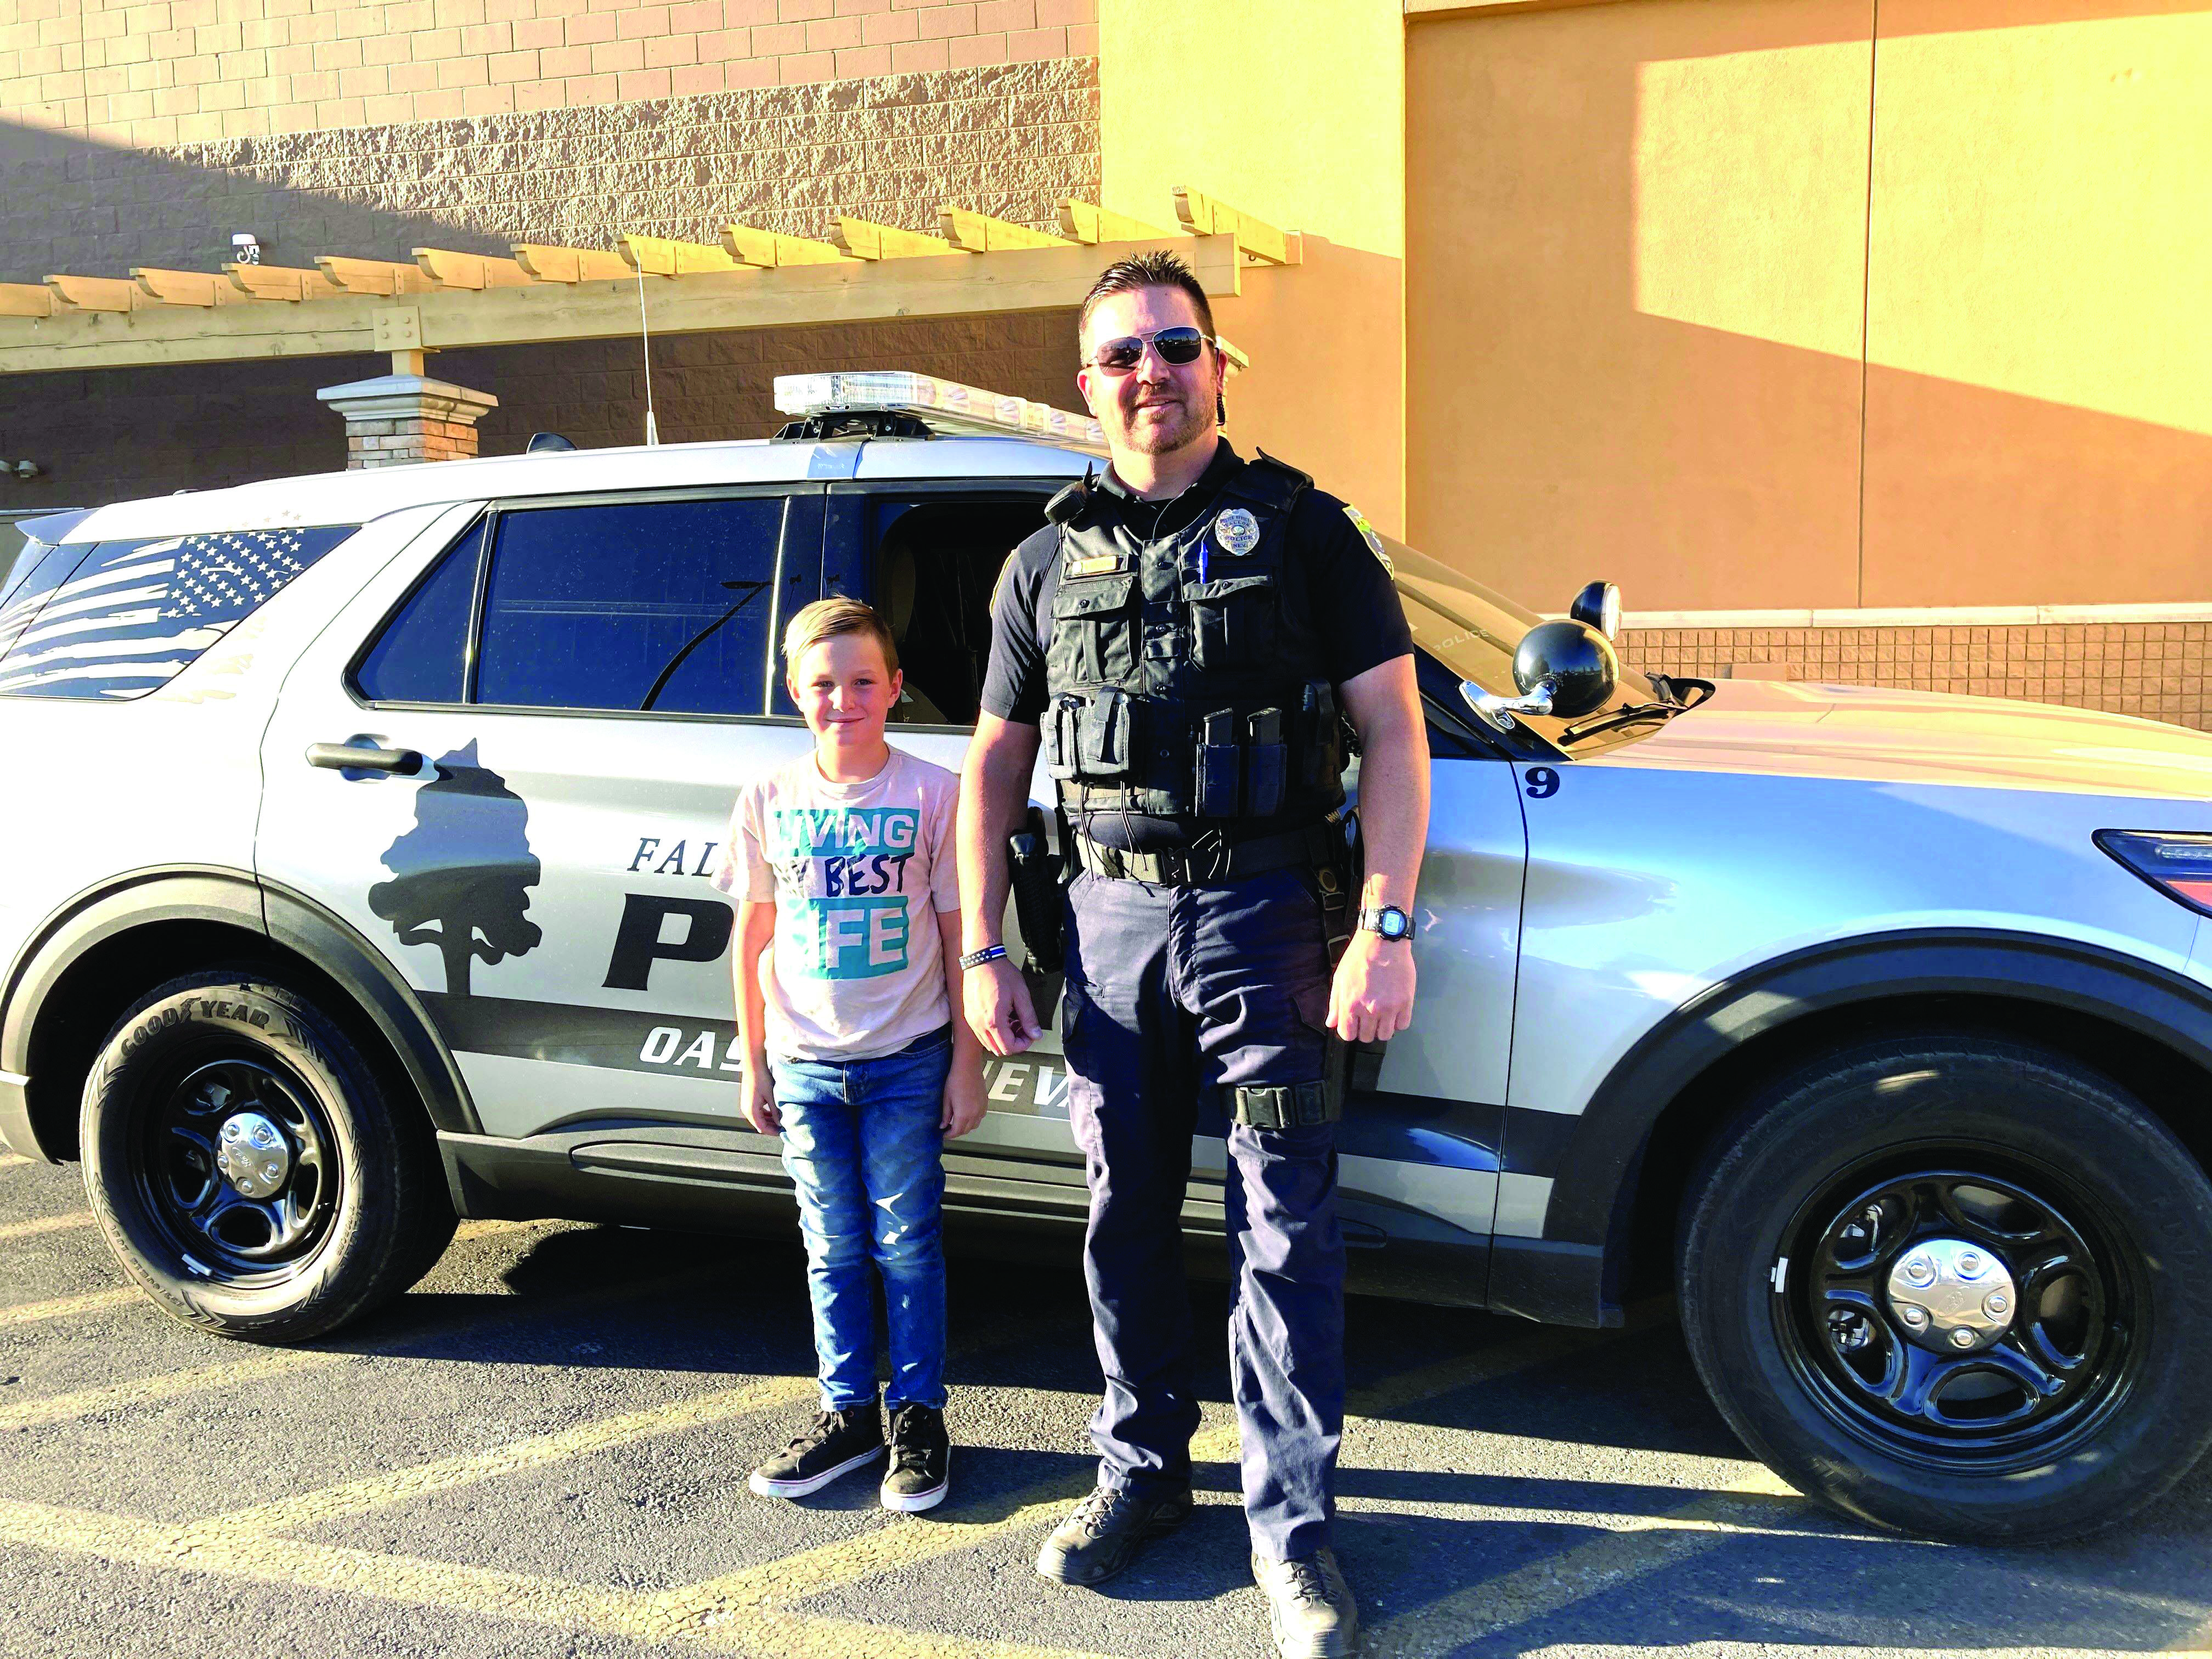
[[897, 403]]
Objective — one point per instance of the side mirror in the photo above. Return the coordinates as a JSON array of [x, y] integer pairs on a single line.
[[1563, 669], [1573, 658], [1598, 606]]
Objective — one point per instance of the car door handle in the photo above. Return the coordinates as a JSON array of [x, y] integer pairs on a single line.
[[363, 757]]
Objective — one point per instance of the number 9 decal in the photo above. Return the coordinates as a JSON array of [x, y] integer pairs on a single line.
[[1543, 782]]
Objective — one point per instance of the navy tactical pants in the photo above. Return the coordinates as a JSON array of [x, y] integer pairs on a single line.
[[1171, 990]]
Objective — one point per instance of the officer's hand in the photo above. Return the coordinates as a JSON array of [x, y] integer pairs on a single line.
[[964, 1099], [999, 1009], [759, 1097], [1371, 999]]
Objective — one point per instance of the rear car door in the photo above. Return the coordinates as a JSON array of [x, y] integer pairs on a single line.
[[587, 679]]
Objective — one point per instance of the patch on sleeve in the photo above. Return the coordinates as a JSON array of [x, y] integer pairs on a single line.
[[1367, 534]]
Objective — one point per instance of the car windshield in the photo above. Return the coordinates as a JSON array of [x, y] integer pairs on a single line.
[[1474, 632]]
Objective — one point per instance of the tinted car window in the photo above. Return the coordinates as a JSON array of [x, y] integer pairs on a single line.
[[421, 656], [118, 619], [936, 559], [632, 604]]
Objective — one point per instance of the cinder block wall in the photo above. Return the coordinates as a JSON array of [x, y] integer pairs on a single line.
[[151, 73], [2151, 669], [787, 113], [1007, 139]]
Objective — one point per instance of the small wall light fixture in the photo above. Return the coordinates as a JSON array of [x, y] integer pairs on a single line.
[[22, 469], [244, 247]]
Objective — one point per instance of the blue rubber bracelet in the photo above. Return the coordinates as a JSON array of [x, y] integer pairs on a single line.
[[977, 959]]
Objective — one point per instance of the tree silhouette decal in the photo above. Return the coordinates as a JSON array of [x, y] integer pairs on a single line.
[[460, 877]]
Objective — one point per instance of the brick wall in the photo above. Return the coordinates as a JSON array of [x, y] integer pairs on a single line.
[[1007, 139], [150, 73], [2152, 669], [114, 434]]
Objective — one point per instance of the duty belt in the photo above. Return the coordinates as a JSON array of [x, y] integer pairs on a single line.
[[1212, 859]]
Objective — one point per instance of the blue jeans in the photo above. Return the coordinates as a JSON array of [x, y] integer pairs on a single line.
[[861, 1142]]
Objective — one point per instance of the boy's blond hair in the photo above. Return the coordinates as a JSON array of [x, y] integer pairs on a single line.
[[825, 619]]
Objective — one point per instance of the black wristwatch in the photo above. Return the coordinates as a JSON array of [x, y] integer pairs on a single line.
[[1386, 920]]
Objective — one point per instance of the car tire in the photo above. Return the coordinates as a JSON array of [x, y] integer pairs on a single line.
[[247, 1168], [2055, 1222]]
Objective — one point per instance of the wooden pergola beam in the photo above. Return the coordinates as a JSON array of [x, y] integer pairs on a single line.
[[1022, 280], [546, 264], [865, 240], [281, 282], [1202, 215], [979, 232], [95, 293], [26, 299], [659, 256], [203, 289], [1086, 222], [385, 276], [770, 250], [474, 272]]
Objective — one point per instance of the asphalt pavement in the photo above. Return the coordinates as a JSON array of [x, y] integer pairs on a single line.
[[542, 1451]]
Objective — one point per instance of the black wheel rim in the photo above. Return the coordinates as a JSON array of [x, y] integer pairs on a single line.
[[237, 1226], [2070, 1345]]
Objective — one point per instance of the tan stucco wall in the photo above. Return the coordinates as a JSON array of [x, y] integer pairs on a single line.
[[1739, 304], [187, 71], [1291, 112]]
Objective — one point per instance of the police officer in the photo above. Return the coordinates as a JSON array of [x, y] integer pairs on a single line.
[[1185, 643]]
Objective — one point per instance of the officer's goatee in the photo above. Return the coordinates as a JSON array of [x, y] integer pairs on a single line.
[[1163, 427]]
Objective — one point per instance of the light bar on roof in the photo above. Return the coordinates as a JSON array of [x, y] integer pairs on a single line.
[[943, 406]]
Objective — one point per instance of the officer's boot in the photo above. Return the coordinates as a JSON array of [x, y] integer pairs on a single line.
[[1106, 1531], [1310, 1607]]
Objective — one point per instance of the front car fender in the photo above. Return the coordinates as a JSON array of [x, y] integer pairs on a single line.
[[1572, 1273], [148, 898]]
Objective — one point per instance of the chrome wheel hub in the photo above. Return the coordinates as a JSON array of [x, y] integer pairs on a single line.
[[252, 1155], [1953, 1295]]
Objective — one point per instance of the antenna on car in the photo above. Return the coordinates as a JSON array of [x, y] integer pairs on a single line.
[[645, 344]]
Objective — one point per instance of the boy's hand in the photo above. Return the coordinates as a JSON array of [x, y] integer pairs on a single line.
[[999, 1009], [760, 1097], [964, 1103]]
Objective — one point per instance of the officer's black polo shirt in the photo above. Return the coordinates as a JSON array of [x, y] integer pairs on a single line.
[[1355, 609]]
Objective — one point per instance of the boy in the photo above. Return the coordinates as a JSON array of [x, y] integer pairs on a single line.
[[848, 932]]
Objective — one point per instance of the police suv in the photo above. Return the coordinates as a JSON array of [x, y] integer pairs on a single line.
[[358, 880]]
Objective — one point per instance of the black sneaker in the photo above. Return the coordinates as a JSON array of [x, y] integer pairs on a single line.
[[920, 1453], [1105, 1532], [838, 1442]]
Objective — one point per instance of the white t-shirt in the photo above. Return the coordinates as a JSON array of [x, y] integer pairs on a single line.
[[857, 966]]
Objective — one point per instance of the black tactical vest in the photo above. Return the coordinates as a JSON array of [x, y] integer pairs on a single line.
[[1180, 698]]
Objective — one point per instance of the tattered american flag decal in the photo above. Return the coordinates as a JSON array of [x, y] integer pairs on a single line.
[[131, 615]]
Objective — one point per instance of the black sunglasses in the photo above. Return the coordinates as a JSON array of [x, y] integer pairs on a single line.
[[1178, 346]]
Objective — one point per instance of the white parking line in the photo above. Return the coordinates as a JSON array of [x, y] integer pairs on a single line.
[[46, 1224], [61, 1307]]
